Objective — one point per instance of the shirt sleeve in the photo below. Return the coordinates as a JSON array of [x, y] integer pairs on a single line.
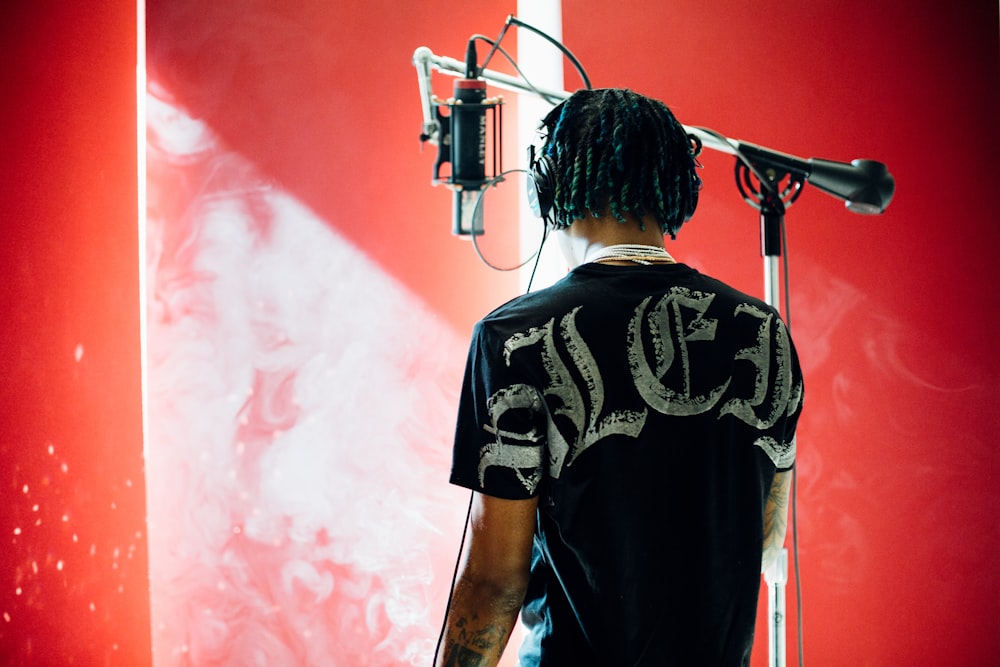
[[764, 394], [499, 436], [789, 423]]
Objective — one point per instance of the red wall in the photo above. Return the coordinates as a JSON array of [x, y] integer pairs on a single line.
[[73, 576], [894, 316]]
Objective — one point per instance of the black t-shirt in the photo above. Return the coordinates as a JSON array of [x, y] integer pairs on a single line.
[[648, 408]]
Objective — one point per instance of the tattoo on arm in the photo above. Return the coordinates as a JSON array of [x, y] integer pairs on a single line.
[[776, 517], [459, 656], [472, 647]]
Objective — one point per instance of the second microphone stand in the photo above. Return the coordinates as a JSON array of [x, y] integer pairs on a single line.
[[771, 198]]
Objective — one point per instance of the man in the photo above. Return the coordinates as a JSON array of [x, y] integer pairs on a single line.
[[628, 433]]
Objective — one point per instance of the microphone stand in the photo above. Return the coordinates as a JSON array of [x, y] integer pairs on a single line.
[[864, 185], [779, 187], [426, 60], [772, 218]]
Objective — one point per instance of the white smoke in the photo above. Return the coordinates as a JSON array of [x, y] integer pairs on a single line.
[[301, 406]]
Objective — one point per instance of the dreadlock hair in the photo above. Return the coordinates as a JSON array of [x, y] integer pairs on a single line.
[[616, 151]]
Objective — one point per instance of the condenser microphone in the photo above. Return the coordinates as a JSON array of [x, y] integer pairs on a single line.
[[468, 147]]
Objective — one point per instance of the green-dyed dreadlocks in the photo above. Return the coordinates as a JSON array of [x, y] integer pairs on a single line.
[[618, 152]]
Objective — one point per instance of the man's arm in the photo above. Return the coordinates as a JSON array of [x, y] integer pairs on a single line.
[[491, 582], [776, 518]]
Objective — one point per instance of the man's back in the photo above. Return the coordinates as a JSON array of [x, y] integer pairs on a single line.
[[648, 408], [623, 429]]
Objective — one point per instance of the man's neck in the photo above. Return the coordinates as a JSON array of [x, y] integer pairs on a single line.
[[588, 236]]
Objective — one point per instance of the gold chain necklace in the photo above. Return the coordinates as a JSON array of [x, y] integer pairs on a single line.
[[633, 252]]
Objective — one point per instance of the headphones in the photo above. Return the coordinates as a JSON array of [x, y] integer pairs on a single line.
[[541, 182], [541, 185]]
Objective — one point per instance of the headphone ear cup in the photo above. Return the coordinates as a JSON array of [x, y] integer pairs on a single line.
[[696, 183], [541, 184], [693, 202]]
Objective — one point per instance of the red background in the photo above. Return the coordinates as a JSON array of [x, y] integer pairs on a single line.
[[894, 316], [73, 548]]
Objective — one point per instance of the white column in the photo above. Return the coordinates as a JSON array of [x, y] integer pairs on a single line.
[[542, 63]]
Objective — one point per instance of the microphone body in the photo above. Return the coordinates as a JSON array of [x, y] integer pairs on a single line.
[[468, 152]]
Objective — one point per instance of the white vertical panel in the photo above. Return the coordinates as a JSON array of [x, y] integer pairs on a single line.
[[542, 63]]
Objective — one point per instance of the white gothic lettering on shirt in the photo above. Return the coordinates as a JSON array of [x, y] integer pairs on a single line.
[[660, 332]]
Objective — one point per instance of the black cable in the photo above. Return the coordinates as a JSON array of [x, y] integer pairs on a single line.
[[495, 44], [472, 495], [468, 514], [454, 578], [475, 244], [559, 45], [538, 256], [795, 479], [513, 20], [513, 63]]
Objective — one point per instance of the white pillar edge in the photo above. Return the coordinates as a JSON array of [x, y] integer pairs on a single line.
[[542, 63]]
